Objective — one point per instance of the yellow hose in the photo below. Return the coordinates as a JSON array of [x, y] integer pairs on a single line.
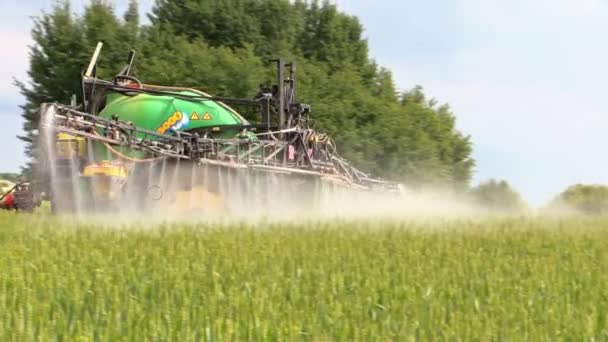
[[134, 160], [122, 156]]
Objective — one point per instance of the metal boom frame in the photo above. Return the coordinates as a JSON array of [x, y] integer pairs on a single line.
[[292, 146]]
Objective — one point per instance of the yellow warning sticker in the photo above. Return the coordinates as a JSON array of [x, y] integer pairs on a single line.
[[194, 116], [207, 116]]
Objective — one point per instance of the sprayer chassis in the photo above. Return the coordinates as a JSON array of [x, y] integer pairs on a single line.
[[280, 147], [261, 155]]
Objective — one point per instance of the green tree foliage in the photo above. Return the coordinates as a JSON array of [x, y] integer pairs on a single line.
[[497, 196], [582, 199], [220, 23], [173, 60], [224, 46], [10, 177], [54, 60], [62, 46]]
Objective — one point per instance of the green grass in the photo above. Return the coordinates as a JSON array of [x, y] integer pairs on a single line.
[[521, 279]]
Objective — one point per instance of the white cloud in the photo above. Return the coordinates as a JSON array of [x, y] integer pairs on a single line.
[[525, 118], [529, 16], [15, 59], [569, 8]]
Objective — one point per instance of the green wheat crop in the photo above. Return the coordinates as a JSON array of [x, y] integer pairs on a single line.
[[494, 279]]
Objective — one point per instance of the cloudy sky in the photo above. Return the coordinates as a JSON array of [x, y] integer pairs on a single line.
[[525, 78]]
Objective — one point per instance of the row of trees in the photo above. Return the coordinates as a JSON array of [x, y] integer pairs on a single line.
[[223, 47], [9, 177], [581, 199], [499, 197]]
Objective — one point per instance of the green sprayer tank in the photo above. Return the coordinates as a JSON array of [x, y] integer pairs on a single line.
[[167, 114]]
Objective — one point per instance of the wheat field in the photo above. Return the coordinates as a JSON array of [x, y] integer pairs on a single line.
[[431, 279]]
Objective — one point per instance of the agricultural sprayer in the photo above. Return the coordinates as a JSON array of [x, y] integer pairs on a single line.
[[134, 147]]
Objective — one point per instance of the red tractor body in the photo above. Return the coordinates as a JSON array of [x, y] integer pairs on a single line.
[[8, 202]]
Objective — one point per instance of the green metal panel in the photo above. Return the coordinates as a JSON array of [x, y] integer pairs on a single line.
[[165, 114]]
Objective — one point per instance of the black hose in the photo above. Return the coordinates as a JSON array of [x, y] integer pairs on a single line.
[[193, 98]]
